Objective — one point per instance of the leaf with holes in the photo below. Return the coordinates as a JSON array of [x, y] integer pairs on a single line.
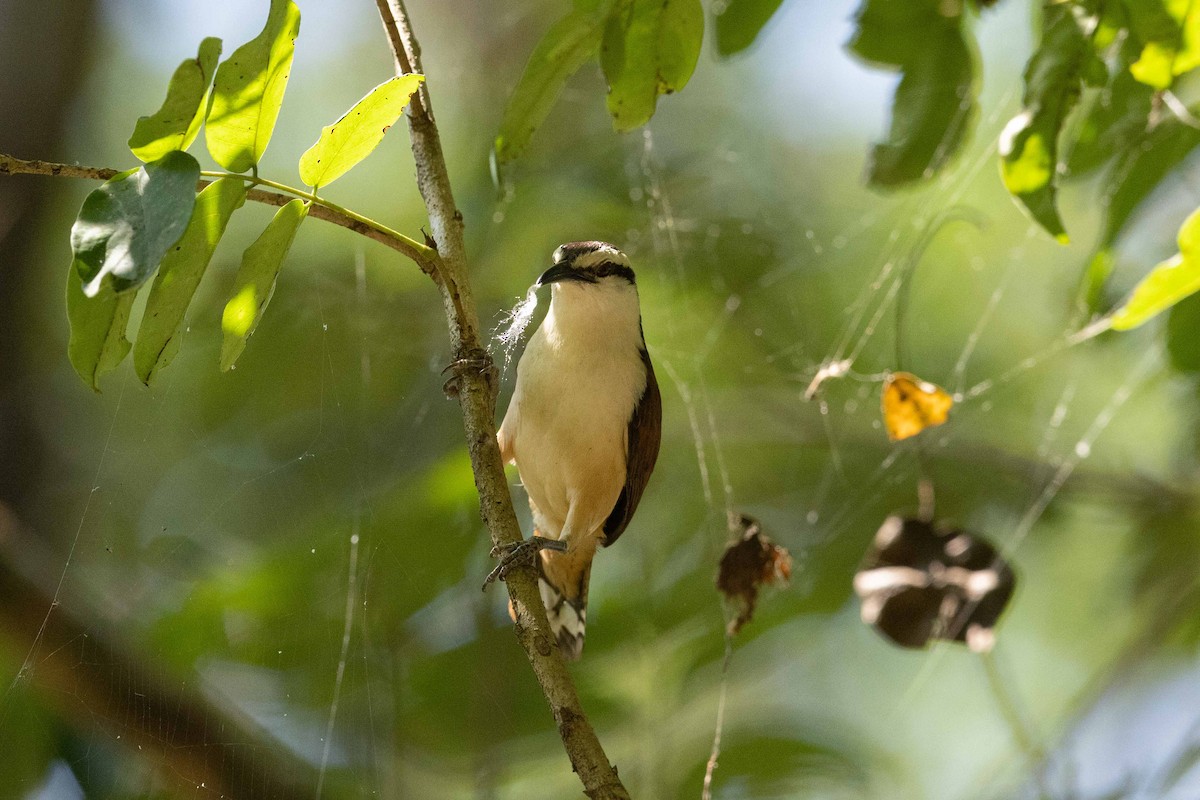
[[650, 48], [126, 226], [180, 274], [1167, 284], [359, 131], [255, 281], [175, 125], [98, 322], [566, 47], [739, 23], [1053, 80], [935, 102], [248, 91]]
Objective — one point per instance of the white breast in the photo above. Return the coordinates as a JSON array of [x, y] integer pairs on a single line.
[[567, 425]]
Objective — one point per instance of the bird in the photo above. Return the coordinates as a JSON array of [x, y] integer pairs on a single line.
[[583, 426]]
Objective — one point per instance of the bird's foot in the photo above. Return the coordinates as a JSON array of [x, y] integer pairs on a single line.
[[520, 554], [475, 362]]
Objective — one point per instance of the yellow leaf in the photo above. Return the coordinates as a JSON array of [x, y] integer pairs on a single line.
[[910, 405]]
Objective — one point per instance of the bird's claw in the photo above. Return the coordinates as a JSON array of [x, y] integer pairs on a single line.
[[477, 362], [520, 554]]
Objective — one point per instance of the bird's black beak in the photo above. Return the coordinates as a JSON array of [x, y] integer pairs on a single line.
[[563, 271]]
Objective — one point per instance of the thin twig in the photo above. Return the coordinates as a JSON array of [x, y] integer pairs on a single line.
[[474, 384], [424, 257], [714, 756]]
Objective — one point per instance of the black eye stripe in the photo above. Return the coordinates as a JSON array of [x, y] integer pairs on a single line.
[[606, 268]]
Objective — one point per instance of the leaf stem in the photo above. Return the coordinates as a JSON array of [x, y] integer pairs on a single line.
[[425, 250], [422, 255]]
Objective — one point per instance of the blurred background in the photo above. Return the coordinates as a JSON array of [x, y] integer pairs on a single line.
[[266, 583]]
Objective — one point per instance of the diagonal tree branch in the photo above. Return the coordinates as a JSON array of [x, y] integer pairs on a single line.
[[474, 384]]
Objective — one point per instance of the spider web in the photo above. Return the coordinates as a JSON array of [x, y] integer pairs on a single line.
[[296, 547]]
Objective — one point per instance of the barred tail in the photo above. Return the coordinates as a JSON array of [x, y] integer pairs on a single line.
[[563, 582]]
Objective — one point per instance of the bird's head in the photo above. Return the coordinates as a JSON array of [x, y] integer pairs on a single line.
[[589, 264]]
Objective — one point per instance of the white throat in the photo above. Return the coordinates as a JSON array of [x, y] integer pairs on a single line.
[[599, 317]]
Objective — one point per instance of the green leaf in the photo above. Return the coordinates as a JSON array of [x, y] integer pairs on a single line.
[[175, 125], [359, 131], [1053, 81], [650, 48], [180, 274], [1139, 168], [566, 47], [1167, 284], [740, 21], [935, 103], [1183, 334], [97, 344], [126, 226], [248, 91], [255, 281], [1110, 121], [1169, 31]]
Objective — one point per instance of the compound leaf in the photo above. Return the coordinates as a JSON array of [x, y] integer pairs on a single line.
[[255, 281], [566, 47], [175, 125], [180, 274], [125, 227], [1167, 284], [248, 91], [935, 102], [97, 344], [359, 131], [650, 48]]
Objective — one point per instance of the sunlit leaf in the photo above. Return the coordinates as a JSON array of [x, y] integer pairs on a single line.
[[650, 48], [180, 274], [1169, 31], [175, 125], [359, 131], [125, 227], [1167, 284], [1139, 168], [910, 405], [98, 322], [566, 47], [1053, 81], [255, 281], [248, 91], [935, 102], [739, 22]]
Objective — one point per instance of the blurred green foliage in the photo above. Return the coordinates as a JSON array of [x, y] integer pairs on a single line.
[[208, 519]]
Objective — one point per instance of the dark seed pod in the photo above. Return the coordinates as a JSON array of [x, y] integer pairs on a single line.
[[919, 582]]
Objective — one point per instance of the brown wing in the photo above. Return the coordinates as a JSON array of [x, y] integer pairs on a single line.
[[645, 432]]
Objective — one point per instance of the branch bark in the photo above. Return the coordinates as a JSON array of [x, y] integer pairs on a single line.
[[11, 165], [474, 383]]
